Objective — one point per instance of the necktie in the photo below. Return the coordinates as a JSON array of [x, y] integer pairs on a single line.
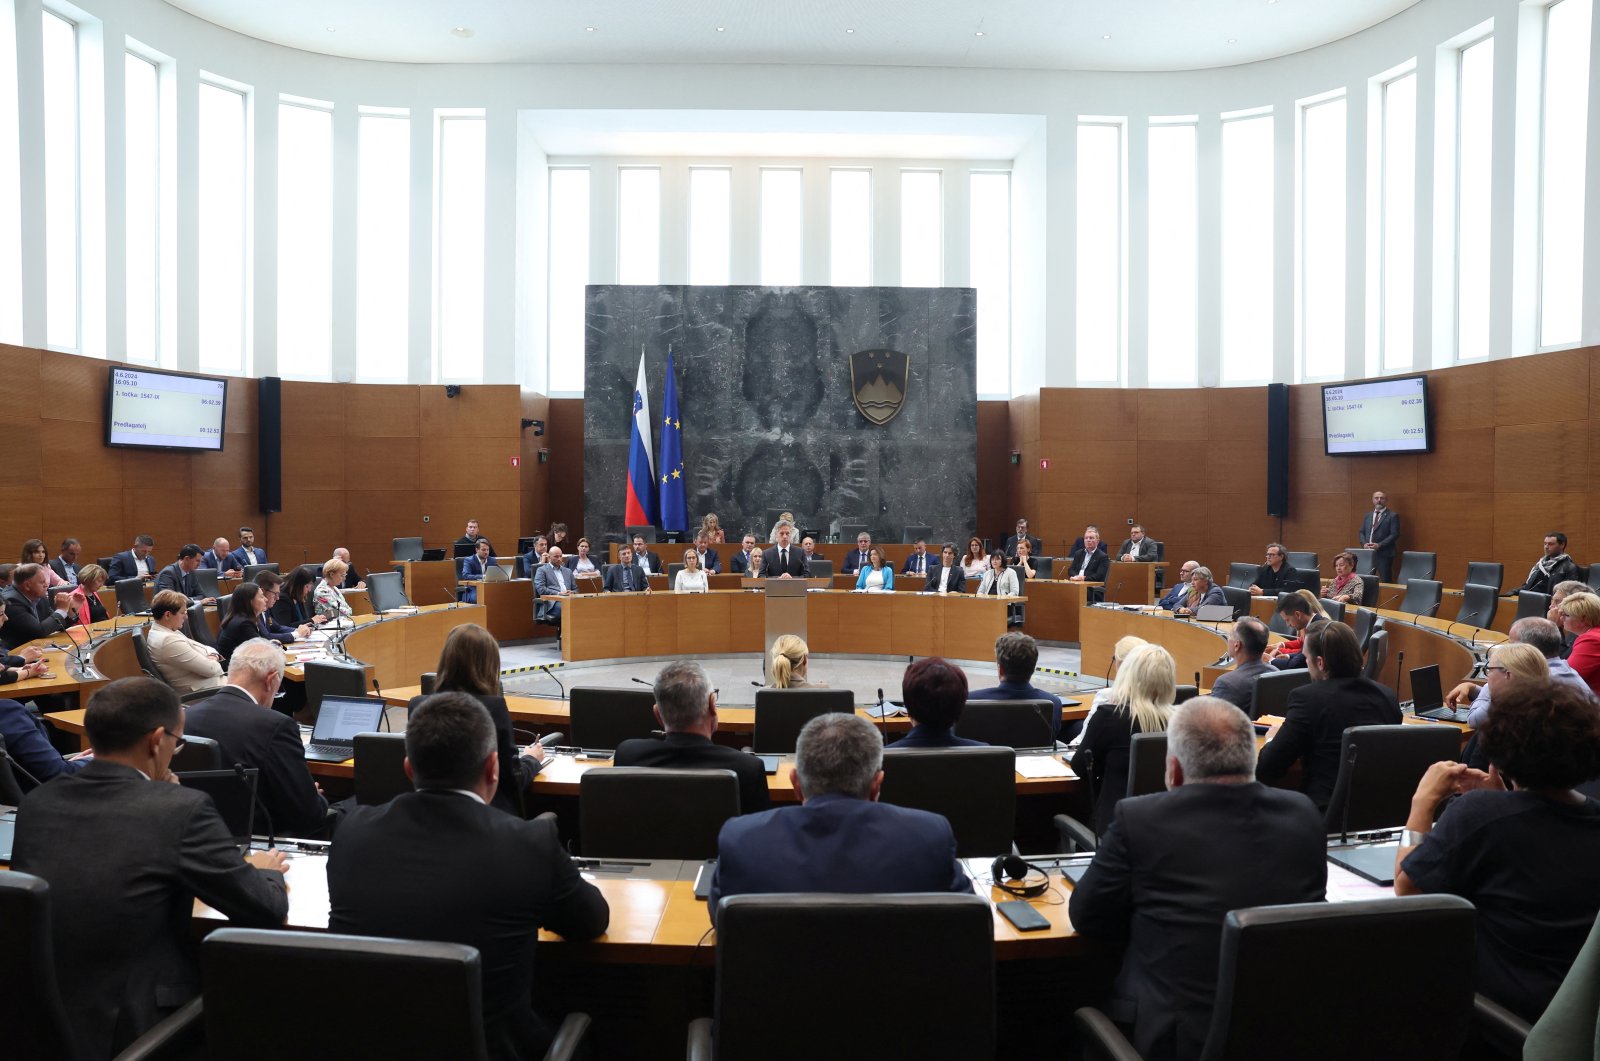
[[627, 579], [783, 559]]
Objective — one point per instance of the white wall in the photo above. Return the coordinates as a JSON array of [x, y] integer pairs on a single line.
[[1043, 189]]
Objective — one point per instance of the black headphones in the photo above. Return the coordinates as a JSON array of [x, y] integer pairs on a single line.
[[1009, 868]]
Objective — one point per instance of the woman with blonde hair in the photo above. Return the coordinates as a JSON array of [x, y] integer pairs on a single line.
[[692, 579], [1119, 652], [786, 669], [326, 600], [1142, 699], [1580, 617], [711, 527], [85, 604]]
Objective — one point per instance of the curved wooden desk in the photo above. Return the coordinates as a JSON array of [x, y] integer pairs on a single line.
[[1194, 646], [1426, 641]]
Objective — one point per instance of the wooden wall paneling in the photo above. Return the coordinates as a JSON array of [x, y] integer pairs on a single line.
[[1525, 454], [1521, 521], [1311, 471], [1462, 460], [235, 466], [1320, 523], [1305, 414], [1237, 414], [163, 509], [375, 463], [1463, 397], [1053, 518], [1092, 466], [1023, 419], [469, 464], [496, 511], [1172, 414], [1538, 390], [376, 410], [480, 411], [312, 522], [76, 387], [564, 438], [1167, 467], [1455, 525], [535, 478], [1238, 530], [994, 466], [1176, 519], [241, 416], [1089, 413], [1108, 509], [1026, 477], [221, 509], [77, 450], [1235, 465], [91, 515], [1394, 475], [21, 467]]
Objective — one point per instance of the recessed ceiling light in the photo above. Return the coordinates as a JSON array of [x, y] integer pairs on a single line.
[[332, 29], [1233, 40], [719, 29], [849, 31], [462, 31], [978, 34], [588, 29], [1105, 36]]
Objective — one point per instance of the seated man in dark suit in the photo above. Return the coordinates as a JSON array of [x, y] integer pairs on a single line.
[[241, 720], [934, 693], [1022, 535], [247, 554], [23, 603], [687, 710], [219, 557], [643, 558], [1299, 616], [126, 855], [709, 562], [1171, 866], [554, 579], [179, 576], [624, 576], [1246, 642], [136, 562], [841, 839], [921, 562], [854, 560], [785, 559], [1274, 576], [946, 576], [271, 584], [1016, 656], [66, 562], [1088, 563], [739, 562], [27, 741], [441, 864]]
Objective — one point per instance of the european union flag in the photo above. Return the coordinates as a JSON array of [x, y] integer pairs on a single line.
[[674, 508]]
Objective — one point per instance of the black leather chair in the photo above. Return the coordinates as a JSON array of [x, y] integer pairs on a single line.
[[934, 939], [1366, 561], [1531, 605], [196, 753], [427, 681], [604, 718], [1377, 654], [974, 788], [1147, 774], [1304, 561], [782, 713], [141, 652], [31, 1010], [1422, 597], [1478, 605], [1592, 576], [1417, 565], [1254, 1017], [386, 590], [407, 549], [10, 786], [130, 597], [1379, 767], [672, 573], [821, 568], [1010, 723], [1370, 590], [1185, 693], [1334, 608], [240, 966], [645, 812], [196, 626], [206, 577], [327, 678], [1242, 576], [1272, 691], [1486, 574], [380, 763], [1238, 599], [1362, 625]]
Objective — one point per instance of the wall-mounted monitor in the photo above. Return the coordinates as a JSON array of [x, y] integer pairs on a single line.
[[149, 409], [1383, 416]]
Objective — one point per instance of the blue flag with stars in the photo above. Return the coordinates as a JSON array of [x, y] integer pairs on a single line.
[[674, 508]]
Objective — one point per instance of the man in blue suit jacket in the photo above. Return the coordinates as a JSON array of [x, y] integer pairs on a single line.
[[247, 553], [854, 559], [135, 562], [840, 839], [921, 562], [1015, 657], [218, 558]]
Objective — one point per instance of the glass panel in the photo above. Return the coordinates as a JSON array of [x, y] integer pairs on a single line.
[[142, 188], [1247, 249], [638, 225], [921, 228], [1399, 221], [1322, 251], [989, 243], [1174, 352], [1099, 253], [710, 225], [60, 39], [305, 234], [782, 227], [383, 247], [460, 213], [850, 228], [223, 193], [1474, 181], [569, 272], [1566, 129], [10, 184]]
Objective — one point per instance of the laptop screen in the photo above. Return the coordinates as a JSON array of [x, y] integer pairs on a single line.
[[1426, 693], [341, 717]]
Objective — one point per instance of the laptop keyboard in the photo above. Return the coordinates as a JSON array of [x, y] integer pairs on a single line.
[[341, 750]]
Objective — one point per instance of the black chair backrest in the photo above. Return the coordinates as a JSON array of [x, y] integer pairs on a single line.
[[1147, 764], [1377, 655], [1370, 589], [1486, 574], [1253, 1017], [1238, 599], [643, 812], [1334, 608], [206, 578], [1185, 693], [386, 590], [326, 678], [604, 718], [1271, 696], [1242, 576], [380, 768], [975, 789], [1422, 597], [941, 939], [1044, 567], [408, 548], [1362, 625], [1304, 561], [1010, 723], [240, 965], [196, 753], [1366, 561], [1592, 576], [672, 574], [1276, 624], [427, 681], [130, 597], [821, 568], [105, 561], [30, 1002], [1161, 554], [1379, 767], [912, 531], [197, 627], [1533, 605], [141, 652], [782, 713], [10, 787], [1417, 565], [1478, 605]]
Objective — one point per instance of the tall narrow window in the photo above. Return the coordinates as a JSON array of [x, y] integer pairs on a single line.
[[142, 187], [459, 264], [10, 185], [1322, 239], [61, 244], [1174, 334], [638, 225], [1474, 183], [305, 241], [850, 227], [710, 231], [989, 269], [782, 227], [569, 272], [1100, 257], [921, 228], [1399, 221], [1247, 248], [222, 192], [383, 246], [1565, 152]]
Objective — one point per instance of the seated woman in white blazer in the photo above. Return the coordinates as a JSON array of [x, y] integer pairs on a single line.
[[998, 579], [187, 665]]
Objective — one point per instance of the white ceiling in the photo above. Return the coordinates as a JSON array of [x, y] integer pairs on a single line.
[[1021, 34]]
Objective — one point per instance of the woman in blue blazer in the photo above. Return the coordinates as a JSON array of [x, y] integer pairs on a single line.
[[473, 567], [875, 574]]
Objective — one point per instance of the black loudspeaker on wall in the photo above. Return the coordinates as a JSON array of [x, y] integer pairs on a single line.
[[1278, 449], [269, 450]]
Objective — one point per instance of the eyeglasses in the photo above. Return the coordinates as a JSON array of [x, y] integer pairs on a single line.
[[1488, 669]]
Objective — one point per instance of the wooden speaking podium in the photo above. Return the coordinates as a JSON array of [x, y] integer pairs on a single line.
[[785, 607]]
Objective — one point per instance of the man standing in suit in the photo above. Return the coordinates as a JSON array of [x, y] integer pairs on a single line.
[[624, 576], [1023, 535], [554, 579], [820, 845], [240, 718], [686, 707], [136, 562], [22, 604], [247, 553], [179, 576], [1171, 866], [66, 564], [219, 557], [126, 855], [1089, 563], [643, 558], [786, 559], [1246, 642], [1016, 656], [854, 561], [441, 864], [709, 561], [920, 562], [739, 562], [1138, 549], [1380, 529]]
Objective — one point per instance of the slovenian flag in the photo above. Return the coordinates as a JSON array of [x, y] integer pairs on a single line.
[[674, 509], [640, 508]]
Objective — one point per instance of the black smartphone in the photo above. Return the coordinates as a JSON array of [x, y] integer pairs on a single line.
[[1022, 915]]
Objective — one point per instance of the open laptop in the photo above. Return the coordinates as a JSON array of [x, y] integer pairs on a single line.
[[234, 794], [1427, 697], [333, 738], [496, 573], [1214, 613], [1375, 862]]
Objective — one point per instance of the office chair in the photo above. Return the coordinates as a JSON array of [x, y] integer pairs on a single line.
[[1532, 605], [386, 591], [1010, 723], [604, 718], [645, 812], [10, 787], [1366, 561], [1362, 625], [1242, 576], [1592, 576], [426, 681], [130, 597], [142, 652], [196, 753], [1184, 693], [31, 1010], [1416, 565], [1147, 774], [197, 626], [1422, 597], [327, 678], [936, 939], [380, 768], [672, 573], [1334, 608], [1486, 574], [782, 713], [1277, 624], [1379, 767], [1370, 589], [407, 549], [1271, 696], [1478, 605], [206, 578], [1238, 599], [1304, 562], [1377, 654], [820, 567], [975, 789], [913, 531], [1254, 1018]]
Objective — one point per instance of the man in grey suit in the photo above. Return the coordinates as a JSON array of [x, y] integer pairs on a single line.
[[1247, 641], [179, 576], [1380, 530], [553, 579], [125, 856]]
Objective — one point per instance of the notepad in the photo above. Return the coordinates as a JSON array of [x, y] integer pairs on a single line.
[[1037, 766]]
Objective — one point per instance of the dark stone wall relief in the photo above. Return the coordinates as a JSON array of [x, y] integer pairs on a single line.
[[765, 398]]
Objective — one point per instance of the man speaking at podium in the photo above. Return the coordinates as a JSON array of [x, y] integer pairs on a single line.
[[786, 559]]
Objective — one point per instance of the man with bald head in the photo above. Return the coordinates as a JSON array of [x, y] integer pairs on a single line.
[[351, 579], [1180, 588], [1171, 866]]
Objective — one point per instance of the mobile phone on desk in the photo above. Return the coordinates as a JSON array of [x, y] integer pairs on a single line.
[[1022, 915]]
